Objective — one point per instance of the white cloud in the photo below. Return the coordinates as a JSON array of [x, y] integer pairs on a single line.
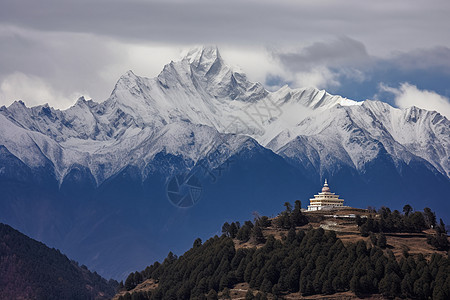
[[320, 77], [33, 90], [408, 95], [255, 62]]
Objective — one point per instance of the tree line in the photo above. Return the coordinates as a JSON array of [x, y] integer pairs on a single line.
[[387, 221], [311, 261]]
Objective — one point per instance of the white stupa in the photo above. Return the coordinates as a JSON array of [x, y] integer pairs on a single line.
[[325, 200]]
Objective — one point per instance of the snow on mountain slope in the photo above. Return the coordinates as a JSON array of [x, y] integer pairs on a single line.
[[186, 106], [356, 134], [424, 133], [33, 148]]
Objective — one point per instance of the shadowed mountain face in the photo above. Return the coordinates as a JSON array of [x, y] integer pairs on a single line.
[[164, 160], [31, 270]]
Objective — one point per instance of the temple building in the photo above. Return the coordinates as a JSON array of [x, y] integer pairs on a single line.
[[325, 200]]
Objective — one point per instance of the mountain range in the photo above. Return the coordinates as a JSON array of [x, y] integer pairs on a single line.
[[167, 159]]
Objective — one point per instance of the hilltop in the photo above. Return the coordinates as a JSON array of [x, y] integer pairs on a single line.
[[343, 223], [306, 255]]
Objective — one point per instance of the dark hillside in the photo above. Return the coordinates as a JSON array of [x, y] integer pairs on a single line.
[[31, 270], [284, 258]]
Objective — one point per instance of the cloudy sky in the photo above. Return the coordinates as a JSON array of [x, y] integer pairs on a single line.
[[397, 51]]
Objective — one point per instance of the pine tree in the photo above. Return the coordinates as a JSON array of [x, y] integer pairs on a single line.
[[197, 243], [249, 295], [407, 209], [276, 289], [258, 235], [261, 296], [288, 207], [354, 284], [266, 286], [226, 229], [291, 235], [212, 295], [129, 282], [297, 217], [381, 241], [327, 287], [244, 233], [138, 278], [233, 230], [430, 217], [226, 293]]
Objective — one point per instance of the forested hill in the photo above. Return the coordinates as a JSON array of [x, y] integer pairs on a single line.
[[293, 256], [31, 270]]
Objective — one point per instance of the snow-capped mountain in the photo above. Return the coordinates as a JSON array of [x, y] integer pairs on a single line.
[[96, 158], [354, 135], [201, 89]]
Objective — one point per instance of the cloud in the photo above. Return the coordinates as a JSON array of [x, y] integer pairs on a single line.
[[32, 90], [70, 64], [322, 64], [437, 58], [408, 95], [342, 51], [345, 67], [380, 24], [347, 48]]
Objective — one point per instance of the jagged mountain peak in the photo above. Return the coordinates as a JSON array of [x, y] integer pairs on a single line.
[[202, 89], [203, 55], [126, 81], [17, 104], [80, 100]]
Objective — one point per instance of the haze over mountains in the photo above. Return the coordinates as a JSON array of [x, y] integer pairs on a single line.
[[92, 180]]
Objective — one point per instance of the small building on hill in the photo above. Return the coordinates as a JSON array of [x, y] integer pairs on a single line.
[[325, 200]]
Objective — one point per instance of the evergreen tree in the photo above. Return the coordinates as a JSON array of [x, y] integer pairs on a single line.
[[138, 278], [441, 227], [297, 217], [373, 238], [276, 289], [327, 287], [258, 235], [197, 243], [226, 229], [261, 296], [291, 235], [288, 207], [266, 286], [233, 230], [407, 209], [381, 241], [130, 283], [244, 233], [212, 295], [430, 217], [264, 221], [249, 295], [226, 293]]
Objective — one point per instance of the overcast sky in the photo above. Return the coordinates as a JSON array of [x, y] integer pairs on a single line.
[[395, 51]]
